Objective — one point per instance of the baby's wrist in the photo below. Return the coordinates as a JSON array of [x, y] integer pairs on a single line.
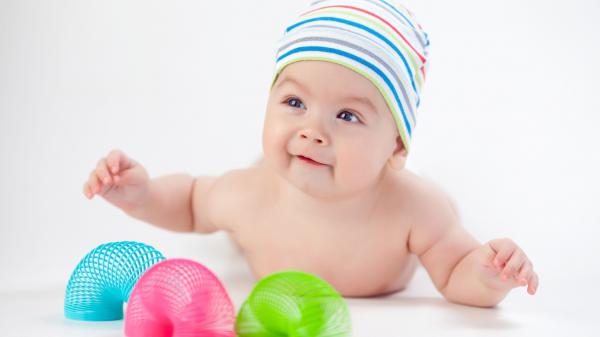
[[138, 206]]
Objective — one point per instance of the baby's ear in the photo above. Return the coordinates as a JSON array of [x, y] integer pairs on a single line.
[[398, 159]]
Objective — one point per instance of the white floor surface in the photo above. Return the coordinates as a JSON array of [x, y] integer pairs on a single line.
[[561, 307]]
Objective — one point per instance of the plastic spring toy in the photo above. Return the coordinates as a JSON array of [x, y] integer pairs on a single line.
[[103, 279], [293, 304], [179, 297]]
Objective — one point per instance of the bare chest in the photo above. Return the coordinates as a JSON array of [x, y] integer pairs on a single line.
[[359, 258]]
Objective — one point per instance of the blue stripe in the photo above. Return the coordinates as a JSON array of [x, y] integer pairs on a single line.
[[397, 11], [360, 60], [351, 23], [423, 43]]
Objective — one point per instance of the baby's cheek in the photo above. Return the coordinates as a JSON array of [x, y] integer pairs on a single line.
[[271, 137], [272, 152], [275, 145], [358, 167]]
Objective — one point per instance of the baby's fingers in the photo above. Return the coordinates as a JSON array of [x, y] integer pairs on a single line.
[[100, 180], [102, 172], [533, 284], [87, 190], [517, 259], [92, 185], [117, 161], [525, 273], [504, 249], [528, 277]]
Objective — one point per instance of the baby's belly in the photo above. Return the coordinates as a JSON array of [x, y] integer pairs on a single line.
[[354, 270]]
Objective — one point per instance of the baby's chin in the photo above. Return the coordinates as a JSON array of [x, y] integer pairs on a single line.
[[315, 184], [318, 182]]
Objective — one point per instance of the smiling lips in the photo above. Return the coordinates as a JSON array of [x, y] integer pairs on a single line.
[[310, 161]]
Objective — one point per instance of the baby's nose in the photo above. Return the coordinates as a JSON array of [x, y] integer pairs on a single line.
[[314, 136]]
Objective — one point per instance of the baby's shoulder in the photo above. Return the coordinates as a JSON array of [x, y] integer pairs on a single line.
[[235, 193], [422, 199], [430, 209]]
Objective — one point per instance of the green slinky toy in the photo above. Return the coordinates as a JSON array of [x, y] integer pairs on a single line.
[[294, 304]]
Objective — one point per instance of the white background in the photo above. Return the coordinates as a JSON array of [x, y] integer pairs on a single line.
[[507, 124]]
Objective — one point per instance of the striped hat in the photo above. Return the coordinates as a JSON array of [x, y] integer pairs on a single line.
[[375, 38]]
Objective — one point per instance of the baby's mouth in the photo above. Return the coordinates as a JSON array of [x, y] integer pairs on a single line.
[[310, 161]]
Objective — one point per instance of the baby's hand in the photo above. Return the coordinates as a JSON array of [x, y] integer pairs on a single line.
[[118, 179], [506, 266]]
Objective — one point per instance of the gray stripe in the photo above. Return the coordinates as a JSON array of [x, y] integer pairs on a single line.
[[390, 11], [362, 50]]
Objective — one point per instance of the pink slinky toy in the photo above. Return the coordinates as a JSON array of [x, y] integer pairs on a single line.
[[179, 297]]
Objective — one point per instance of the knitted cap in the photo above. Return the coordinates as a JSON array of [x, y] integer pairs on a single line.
[[375, 38]]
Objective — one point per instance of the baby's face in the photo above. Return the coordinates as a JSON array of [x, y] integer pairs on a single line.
[[334, 116]]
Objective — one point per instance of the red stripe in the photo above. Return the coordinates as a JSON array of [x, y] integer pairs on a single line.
[[380, 18]]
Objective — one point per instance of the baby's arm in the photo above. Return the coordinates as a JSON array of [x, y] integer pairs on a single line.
[[461, 268], [176, 202]]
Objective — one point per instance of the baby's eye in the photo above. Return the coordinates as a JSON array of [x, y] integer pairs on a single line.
[[347, 116], [294, 101]]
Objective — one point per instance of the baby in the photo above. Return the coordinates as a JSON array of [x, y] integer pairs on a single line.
[[331, 195]]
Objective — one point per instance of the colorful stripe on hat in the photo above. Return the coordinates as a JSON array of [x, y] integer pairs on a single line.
[[379, 40]]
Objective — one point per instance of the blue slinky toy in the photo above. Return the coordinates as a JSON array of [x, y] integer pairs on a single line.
[[104, 278]]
